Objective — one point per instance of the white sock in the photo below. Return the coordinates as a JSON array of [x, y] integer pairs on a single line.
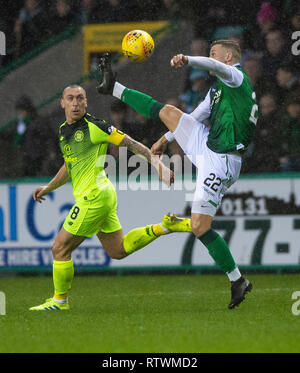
[[61, 301], [234, 275], [118, 90]]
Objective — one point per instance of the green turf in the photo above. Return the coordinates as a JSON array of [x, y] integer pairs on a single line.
[[151, 314]]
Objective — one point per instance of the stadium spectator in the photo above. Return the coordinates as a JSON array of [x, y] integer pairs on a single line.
[[274, 54], [293, 21], [118, 118], [34, 139], [25, 113], [118, 115], [199, 86], [286, 78], [171, 9], [264, 151], [88, 12], [265, 22], [252, 66], [290, 132], [14, 138], [266, 17], [31, 27], [110, 11], [63, 16], [199, 47]]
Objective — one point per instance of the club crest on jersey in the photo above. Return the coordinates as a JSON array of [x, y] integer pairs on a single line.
[[110, 129], [79, 135]]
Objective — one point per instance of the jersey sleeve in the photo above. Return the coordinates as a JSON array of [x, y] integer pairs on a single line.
[[116, 136], [229, 75], [104, 134]]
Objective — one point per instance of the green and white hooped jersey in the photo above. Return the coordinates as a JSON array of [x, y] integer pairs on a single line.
[[84, 145], [233, 115], [229, 109]]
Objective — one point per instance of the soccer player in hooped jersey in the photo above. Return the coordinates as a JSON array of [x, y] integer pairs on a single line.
[[83, 141], [214, 136]]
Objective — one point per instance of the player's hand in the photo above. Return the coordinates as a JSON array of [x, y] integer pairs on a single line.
[[179, 60], [39, 193], [159, 147]]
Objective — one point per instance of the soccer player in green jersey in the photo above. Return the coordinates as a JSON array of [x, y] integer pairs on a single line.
[[213, 136], [83, 142]]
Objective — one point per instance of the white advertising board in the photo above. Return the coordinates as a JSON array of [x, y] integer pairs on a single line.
[[259, 218]]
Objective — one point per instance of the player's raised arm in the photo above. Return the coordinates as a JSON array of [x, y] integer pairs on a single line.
[[165, 174], [219, 63], [59, 179]]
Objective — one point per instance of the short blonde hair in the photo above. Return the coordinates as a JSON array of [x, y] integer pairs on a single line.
[[232, 45]]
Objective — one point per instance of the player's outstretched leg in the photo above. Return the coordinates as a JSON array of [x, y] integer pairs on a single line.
[[139, 101], [138, 238], [172, 223]]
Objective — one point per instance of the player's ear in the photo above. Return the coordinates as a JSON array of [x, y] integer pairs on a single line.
[[62, 104], [228, 56]]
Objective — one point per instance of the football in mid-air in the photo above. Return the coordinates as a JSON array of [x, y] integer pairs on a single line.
[[137, 45]]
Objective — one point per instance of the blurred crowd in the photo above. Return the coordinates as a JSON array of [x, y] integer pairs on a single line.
[[264, 30], [28, 23]]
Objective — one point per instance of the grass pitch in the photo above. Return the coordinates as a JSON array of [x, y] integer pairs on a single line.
[[157, 314]]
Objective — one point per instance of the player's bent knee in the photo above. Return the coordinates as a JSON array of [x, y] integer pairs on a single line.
[[200, 226], [170, 115]]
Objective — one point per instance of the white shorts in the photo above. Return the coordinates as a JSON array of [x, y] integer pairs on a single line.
[[215, 172]]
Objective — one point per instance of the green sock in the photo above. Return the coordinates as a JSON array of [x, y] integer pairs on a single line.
[[142, 103], [138, 238], [63, 273], [218, 250]]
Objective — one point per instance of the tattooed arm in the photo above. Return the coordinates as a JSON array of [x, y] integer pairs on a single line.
[[165, 174]]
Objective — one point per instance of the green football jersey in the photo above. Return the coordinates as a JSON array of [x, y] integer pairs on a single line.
[[233, 116], [84, 145]]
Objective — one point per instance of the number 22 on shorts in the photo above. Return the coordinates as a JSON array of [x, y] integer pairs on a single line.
[[213, 182]]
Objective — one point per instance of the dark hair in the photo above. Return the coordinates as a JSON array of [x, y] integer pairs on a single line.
[[293, 97], [288, 66], [232, 45], [25, 103]]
